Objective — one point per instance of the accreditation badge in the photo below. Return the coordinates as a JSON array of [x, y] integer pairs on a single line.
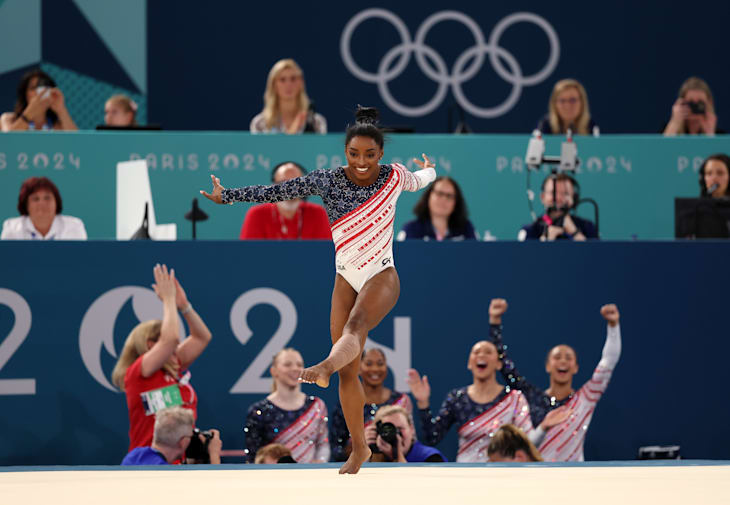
[[162, 398]]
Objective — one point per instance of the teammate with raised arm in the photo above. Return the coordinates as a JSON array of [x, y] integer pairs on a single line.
[[564, 441], [360, 199]]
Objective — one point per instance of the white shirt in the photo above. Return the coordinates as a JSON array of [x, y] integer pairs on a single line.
[[63, 228]]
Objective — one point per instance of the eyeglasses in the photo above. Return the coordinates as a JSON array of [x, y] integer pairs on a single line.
[[568, 101], [441, 194]]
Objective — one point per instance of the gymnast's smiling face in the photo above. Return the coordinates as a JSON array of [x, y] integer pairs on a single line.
[[363, 155]]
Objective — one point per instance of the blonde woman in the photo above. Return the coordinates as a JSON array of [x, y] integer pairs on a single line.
[[288, 416], [152, 367], [286, 104], [568, 108], [510, 445], [694, 110], [120, 110]]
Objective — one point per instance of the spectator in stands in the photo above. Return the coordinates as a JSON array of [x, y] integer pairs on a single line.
[[173, 431], [373, 373], [287, 108], [407, 448], [559, 197], [288, 416], [39, 106], [715, 172], [120, 110], [153, 366], [40, 206], [568, 108], [289, 220], [272, 454], [441, 214], [563, 441], [694, 110], [510, 444], [479, 409]]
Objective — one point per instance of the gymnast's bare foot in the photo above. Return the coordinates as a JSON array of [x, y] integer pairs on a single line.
[[317, 374], [358, 456]]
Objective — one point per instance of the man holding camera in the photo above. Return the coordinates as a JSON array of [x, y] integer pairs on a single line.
[[173, 439], [558, 197], [393, 439]]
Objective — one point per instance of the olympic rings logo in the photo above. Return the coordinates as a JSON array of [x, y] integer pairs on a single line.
[[440, 74]]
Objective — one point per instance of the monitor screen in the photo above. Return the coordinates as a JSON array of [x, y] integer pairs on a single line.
[[702, 218]]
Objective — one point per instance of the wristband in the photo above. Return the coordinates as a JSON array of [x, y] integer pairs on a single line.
[[187, 309]]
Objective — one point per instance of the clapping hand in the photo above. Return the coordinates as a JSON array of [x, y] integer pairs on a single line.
[[165, 282], [420, 388]]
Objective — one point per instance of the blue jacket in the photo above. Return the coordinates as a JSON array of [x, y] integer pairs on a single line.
[[420, 452], [424, 230], [144, 456]]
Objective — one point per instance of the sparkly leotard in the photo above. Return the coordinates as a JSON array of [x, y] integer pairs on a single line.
[[564, 442], [477, 421], [303, 431], [340, 435], [361, 217]]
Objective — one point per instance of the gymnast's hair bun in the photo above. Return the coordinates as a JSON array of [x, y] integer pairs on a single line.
[[367, 115]]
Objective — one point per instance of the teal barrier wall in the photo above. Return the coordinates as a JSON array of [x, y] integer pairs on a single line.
[[634, 179]]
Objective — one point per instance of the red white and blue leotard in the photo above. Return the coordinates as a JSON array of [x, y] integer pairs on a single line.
[[361, 217]]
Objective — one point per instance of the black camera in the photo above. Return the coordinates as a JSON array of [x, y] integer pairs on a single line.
[[697, 107], [198, 449]]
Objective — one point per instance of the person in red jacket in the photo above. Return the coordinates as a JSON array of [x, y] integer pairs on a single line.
[[152, 369], [290, 220]]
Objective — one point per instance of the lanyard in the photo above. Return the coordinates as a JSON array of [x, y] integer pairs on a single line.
[[282, 224]]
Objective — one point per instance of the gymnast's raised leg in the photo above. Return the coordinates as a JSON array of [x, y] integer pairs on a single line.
[[353, 315]]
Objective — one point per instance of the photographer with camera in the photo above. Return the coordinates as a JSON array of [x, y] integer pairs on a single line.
[[175, 437], [694, 111], [395, 439], [559, 197]]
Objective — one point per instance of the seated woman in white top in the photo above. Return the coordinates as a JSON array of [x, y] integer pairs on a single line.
[[286, 104], [39, 204]]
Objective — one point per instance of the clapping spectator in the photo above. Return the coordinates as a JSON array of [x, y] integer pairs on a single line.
[[288, 416], [120, 111], [294, 219], [152, 368], [373, 373], [714, 173], [40, 206], [441, 214], [287, 108], [694, 110], [568, 109], [40, 105]]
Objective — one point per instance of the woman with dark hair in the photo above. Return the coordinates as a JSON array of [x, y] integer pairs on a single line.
[[373, 372], [360, 199], [40, 206], [39, 106], [441, 213], [714, 176]]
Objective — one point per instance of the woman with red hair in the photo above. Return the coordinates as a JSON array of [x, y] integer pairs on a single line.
[[40, 206]]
